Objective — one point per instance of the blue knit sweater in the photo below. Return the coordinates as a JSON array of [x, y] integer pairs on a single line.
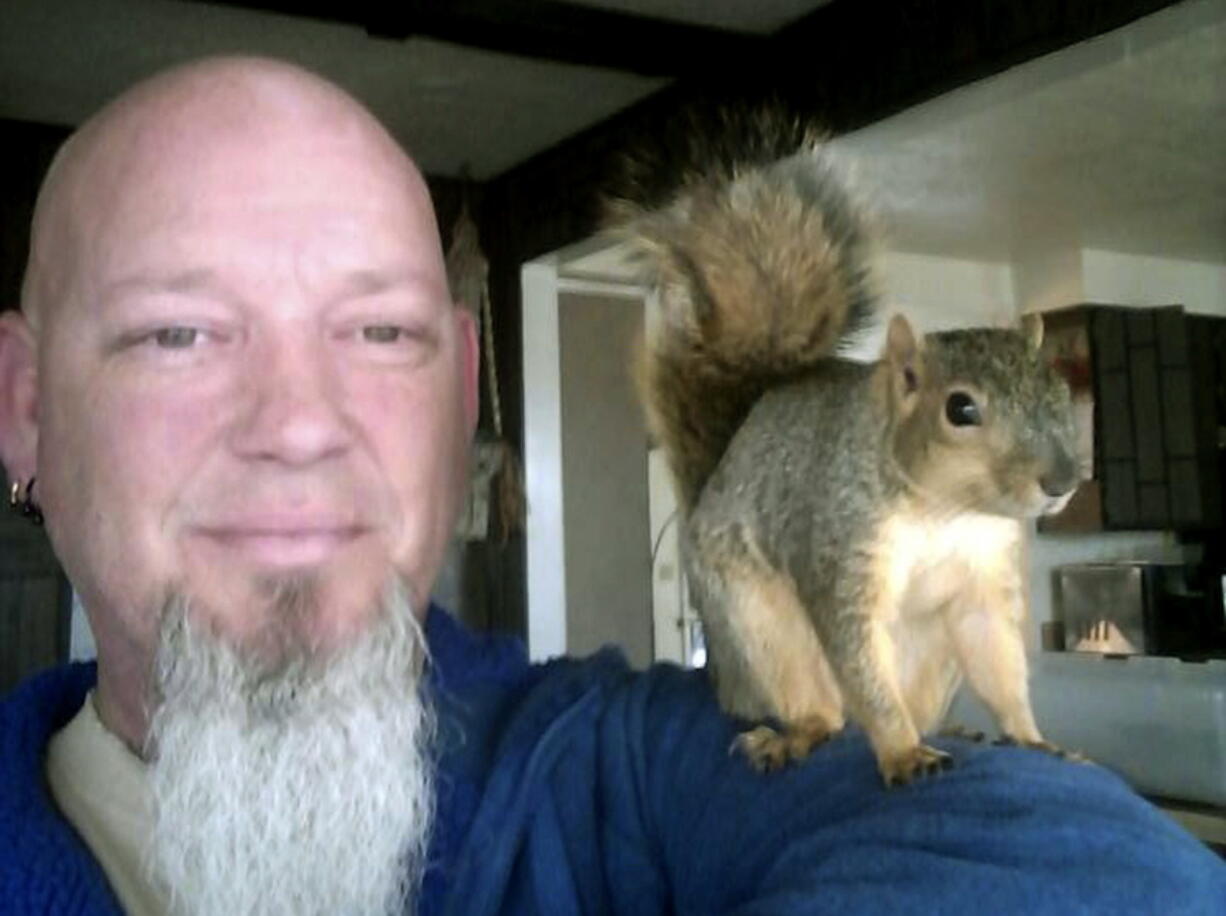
[[581, 787]]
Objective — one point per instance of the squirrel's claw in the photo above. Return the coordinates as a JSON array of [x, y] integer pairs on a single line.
[[1045, 746], [961, 731], [769, 749], [914, 762]]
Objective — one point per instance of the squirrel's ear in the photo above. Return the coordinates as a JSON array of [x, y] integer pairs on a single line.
[[900, 340], [1032, 330], [902, 350]]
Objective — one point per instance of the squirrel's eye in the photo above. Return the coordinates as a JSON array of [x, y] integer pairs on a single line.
[[961, 410]]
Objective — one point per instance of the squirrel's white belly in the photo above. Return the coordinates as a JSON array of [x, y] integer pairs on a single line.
[[931, 562], [935, 567]]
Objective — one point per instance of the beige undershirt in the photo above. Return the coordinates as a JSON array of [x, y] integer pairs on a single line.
[[100, 787]]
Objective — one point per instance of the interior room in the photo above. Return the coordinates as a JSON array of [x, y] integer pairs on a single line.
[[1019, 157]]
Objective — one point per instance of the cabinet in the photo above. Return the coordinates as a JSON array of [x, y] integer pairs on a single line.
[[1150, 389]]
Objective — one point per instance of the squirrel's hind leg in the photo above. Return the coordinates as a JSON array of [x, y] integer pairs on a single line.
[[767, 660], [769, 748]]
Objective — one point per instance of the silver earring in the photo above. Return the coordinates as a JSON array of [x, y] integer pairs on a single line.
[[21, 500]]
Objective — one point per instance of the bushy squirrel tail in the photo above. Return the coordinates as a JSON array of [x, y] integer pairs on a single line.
[[761, 270]]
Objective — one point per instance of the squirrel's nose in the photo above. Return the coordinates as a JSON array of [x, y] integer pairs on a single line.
[[1060, 477]]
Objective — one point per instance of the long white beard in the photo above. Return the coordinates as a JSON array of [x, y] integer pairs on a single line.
[[300, 787]]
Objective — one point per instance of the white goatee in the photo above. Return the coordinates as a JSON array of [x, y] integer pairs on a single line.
[[297, 787]]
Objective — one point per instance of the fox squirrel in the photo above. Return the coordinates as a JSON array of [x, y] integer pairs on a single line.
[[852, 531]]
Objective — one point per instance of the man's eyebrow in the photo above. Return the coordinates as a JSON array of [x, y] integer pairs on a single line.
[[354, 283], [187, 281], [371, 282]]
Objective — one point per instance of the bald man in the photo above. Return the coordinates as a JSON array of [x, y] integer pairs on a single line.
[[247, 400], [241, 397]]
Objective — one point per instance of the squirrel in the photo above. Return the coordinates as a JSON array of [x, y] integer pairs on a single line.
[[852, 531]]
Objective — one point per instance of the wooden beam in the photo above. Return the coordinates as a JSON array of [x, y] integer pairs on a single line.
[[585, 36]]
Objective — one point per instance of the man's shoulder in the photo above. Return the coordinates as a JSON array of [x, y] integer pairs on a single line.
[[461, 657], [47, 869], [500, 707], [611, 688], [42, 704], [29, 715]]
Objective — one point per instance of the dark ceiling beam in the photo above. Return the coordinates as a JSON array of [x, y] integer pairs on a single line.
[[540, 29], [853, 62]]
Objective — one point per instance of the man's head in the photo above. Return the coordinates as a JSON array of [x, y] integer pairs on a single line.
[[239, 365], [239, 378]]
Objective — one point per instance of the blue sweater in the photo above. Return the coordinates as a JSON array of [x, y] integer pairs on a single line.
[[582, 787]]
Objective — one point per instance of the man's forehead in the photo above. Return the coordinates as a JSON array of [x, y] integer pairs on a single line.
[[223, 94], [245, 129], [234, 112]]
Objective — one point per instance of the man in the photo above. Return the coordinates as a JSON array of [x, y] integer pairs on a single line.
[[241, 397]]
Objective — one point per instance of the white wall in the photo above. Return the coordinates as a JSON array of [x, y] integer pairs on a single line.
[[546, 572], [667, 576], [547, 569], [604, 472], [938, 293], [1129, 279], [1048, 274], [1045, 278], [81, 646]]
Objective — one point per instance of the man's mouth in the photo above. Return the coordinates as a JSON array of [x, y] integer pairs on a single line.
[[283, 545]]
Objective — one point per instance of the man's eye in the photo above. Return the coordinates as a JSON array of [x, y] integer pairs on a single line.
[[175, 338], [382, 333], [404, 344]]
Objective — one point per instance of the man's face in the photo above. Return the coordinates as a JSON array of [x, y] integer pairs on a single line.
[[256, 377]]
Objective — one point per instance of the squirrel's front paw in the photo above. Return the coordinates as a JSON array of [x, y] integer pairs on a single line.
[[920, 760]]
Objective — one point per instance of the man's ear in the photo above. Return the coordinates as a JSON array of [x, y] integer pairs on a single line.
[[18, 396], [470, 366]]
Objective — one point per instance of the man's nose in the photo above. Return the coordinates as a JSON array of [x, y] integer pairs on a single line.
[[293, 411]]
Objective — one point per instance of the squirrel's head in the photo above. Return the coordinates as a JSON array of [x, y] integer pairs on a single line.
[[982, 422]]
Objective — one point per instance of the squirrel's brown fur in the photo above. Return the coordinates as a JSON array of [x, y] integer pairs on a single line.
[[739, 308]]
